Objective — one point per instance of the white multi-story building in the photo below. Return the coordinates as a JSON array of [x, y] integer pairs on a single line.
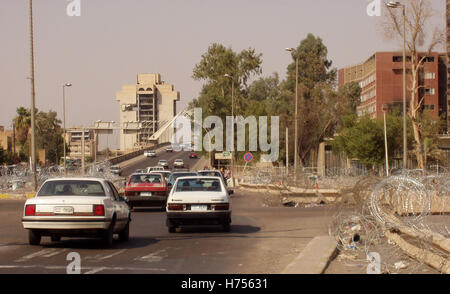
[[143, 108]]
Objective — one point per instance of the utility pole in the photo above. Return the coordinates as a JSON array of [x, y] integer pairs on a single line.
[[292, 50], [33, 102], [83, 171], [14, 138], [287, 152]]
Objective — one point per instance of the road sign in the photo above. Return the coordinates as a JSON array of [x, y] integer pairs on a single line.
[[223, 156], [248, 157]]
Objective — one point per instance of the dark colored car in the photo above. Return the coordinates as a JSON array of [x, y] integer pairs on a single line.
[[175, 175]]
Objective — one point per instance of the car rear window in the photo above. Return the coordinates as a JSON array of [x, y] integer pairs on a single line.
[[146, 178], [198, 185], [72, 188], [209, 174]]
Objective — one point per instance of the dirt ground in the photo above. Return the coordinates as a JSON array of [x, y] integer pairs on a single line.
[[355, 261]]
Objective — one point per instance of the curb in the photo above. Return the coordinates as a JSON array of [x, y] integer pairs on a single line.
[[315, 257], [16, 196]]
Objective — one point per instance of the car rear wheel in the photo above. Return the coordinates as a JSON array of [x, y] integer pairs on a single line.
[[56, 238], [125, 234], [34, 238], [227, 228], [108, 235]]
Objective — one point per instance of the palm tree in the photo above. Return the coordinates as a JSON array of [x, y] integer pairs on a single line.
[[22, 124]]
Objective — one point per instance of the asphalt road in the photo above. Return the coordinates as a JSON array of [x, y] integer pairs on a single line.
[[145, 162], [264, 239]]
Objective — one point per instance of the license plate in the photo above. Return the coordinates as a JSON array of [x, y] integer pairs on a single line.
[[63, 210], [146, 194], [199, 207]]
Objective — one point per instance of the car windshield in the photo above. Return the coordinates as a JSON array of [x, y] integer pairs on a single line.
[[145, 178], [209, 173], [72, 188], [198, 185]]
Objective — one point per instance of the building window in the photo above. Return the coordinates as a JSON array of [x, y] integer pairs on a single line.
[[429, 59], [429, 91], [428, 107], [400, 58], [429, 76]]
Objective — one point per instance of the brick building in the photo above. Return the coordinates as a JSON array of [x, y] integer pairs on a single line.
[[381, 80]]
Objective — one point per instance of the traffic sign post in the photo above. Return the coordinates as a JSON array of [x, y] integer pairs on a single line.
[[248, 157]]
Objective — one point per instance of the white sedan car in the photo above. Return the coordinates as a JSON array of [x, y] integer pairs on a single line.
[[198, 201], [178, 163], [77, 207]]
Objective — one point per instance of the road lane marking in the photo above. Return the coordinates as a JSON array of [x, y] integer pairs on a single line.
[[57, 267], [55, 253], [36, 254], [113, 254], [94, 271], [152, 257], [101, 257]]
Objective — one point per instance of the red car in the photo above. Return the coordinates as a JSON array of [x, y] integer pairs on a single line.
[[146, 190], [193, 155]]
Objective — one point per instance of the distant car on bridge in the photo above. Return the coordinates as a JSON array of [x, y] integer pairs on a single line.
[[150, 153], [163, 163], [178, 163], [154, 168]]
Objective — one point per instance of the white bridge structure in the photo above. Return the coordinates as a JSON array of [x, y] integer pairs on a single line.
[[164, 134]]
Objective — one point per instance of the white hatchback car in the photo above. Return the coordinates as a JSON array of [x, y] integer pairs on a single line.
[[197, 201], [77, 207]]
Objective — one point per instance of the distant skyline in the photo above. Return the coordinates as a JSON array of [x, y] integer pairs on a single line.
[[112, 41]]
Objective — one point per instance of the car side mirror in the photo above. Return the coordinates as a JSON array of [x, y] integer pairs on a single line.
[[230, 192]]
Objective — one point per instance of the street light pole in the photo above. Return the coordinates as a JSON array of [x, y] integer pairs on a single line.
[[405, 142], [64, 115], [385, 109], [33, 101], [296, 111], [394, 4], [232, 123]]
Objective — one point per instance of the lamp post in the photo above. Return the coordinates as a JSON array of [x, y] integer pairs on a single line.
[[396, 4], [232, 123], [385, 109], [64, 115], [296, 110], [33, 100]]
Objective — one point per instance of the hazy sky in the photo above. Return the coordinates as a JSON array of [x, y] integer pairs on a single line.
[[113, 40]]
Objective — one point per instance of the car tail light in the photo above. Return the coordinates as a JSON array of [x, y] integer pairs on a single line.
[[99, 210], [161, 193], [30, 210], [175, 207], [221, 206]]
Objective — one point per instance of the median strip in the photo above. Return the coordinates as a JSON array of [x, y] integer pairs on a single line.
[[315, 258]]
